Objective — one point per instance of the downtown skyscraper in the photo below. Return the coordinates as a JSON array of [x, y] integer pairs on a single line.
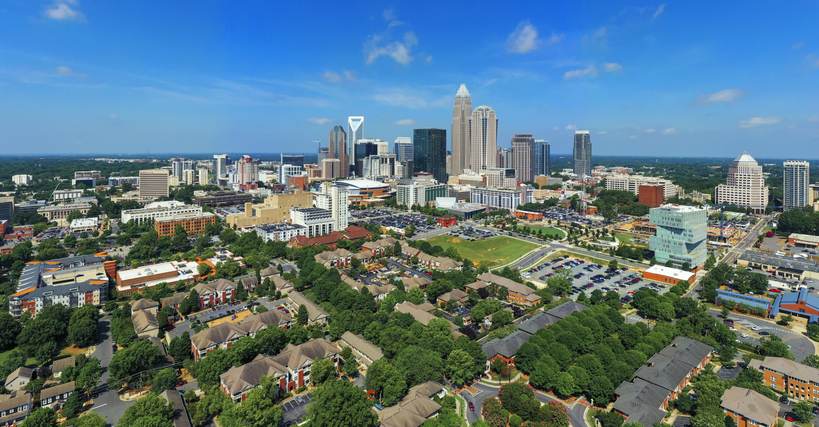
[[484, 138], [429, 152], [461, 114], [523, 156], [543, 163], [582, 153], [355, 131], [338, 146], [797, 184]]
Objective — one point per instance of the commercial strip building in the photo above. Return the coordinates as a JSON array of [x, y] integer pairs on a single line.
[[803, 240], [158, 210], [682, 233], [226, 334], [749, 408], [154, 183], [499, 198], [669, 275], [782, 266], [135, 279], [645, 399], [800, 381], [632, 183], [73, 282], [745, 185], [193, 223]]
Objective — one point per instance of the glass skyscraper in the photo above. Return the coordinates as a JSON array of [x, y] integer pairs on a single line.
[[355, 131], [429, 152], [681, 237], [582, 153], [542, 153], [797, 184], [402, 149]]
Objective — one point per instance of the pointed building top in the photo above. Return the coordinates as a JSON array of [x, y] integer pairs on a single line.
[[462, 92], [745, 158]]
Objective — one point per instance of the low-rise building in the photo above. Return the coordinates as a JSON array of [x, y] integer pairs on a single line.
[[215, 293], [379, 292], [315, 314], [193, 223], [439, 263], [424, 315], [145, 304], [275, 209], [502, 198], [221, 198], [58, 212], [799, 304], [159, 210], [414, 408], [14, 408], [281, 232], [59, 365], [749, 408], [518, 293], [364, 351], [225, 334], [337, 258], [456, 295], [803, 240], [145, 324], [800, 381], [174, 300], [58, 393], [669, 275], [136, 279], [380, 247], [19, 378], [66, 194], [83, 225], [350, 233]]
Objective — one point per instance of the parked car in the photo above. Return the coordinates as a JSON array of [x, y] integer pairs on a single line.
[[180, 382], [783, 399], [471, 406], [789, 416]]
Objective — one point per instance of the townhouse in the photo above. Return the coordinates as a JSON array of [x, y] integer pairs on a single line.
[[432, 262], [518, 292], [422, 313], [58, 393], [364, 351], [749, 408], [315, 314], [337, 258], [380, 247], [379, 292], [456, 295], [801, 381], [214, 293], [414, 408], [225, 334], [14, 408]]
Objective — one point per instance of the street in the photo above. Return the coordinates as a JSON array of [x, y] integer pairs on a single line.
[[747, 241], [485, 391], [107, 403], [205, 315], [801, 346]]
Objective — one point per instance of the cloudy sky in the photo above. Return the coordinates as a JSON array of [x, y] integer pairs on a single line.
[[691, 78]]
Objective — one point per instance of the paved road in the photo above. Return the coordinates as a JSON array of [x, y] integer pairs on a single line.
[[107, 403], [485, 391], [801, 346], [530, 259], [203, 315], [747, 241]]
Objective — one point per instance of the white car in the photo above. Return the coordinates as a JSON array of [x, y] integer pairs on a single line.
[[756, 328], [743, 335]]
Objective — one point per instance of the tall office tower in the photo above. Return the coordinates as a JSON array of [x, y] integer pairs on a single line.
[[542, 161], [6, 209], [338, 148], [292, 159], [363, 148], [355, 131], [336, 199], [582, 153], [247, 171], [382, 147], [220, 166], [745, 185], [460, 132], [523, 156], [153, 183], [331, 169], [322, 153], [203, 177], [484, 138], [681, 237], [402, 149], [429, 152], [797, 185], [176, 168]]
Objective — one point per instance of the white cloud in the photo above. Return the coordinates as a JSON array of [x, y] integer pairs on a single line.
[[489, 82], [404, 122], [429, 59], [556, 128], [659, 11], [602, 132], [523, 39], [599, 38], [651, 130], [66, 71], [113, 117], [797, 45], [756, 121], [814, 118], [319, 121], [591, 71], [791, 127], [638, 127], [555, 38], [331, 77], [388, 15], [63, 12], [349, 75], [670, 131], [400, 51], [612, 66], [727, 95], [633, 137], [571, 127], [408, 97]]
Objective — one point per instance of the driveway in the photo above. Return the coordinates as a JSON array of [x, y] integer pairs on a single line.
[[801, 346], [293, 411]]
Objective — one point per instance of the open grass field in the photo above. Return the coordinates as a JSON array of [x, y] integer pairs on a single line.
[[496, 250], [554, 232], [627, 239]]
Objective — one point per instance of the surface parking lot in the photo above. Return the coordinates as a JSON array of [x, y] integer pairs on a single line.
[[400, 222], [369, 213], [587, 276], [293, 411], [559, 214], [471, 234]]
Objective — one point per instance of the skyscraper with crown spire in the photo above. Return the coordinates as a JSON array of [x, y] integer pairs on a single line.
[[461, 155]]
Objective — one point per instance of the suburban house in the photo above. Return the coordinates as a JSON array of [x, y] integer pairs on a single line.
[[19, 378], [352, 232], [645, 400], [174, 300], [457, 295], [214, 293], [225, 334], [144, 304], [414, 408], [58, 393], [518, 292], [316, 314], [378, 291], [786, 375], [364, 351], [14, 408], [145, 323], [749, 408], [380, 247], [336, 258], [290, 368], [413, 282], [59, 365], [421, 314]]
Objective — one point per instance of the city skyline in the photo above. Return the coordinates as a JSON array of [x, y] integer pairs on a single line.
[[659, 80]]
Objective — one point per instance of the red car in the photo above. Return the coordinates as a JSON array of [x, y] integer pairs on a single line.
[[180, 382], [789, 416], [472, 407]]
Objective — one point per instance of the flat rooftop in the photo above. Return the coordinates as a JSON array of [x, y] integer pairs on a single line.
[[147, 271]]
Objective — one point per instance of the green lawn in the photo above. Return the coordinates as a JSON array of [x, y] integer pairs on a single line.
[[627, 239], [497, 250], [551, 231], [5, 355]]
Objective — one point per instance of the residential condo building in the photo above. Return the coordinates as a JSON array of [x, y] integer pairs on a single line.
[[797, 184], [582, 153], [484, 138], [523, 156], [542, 160]]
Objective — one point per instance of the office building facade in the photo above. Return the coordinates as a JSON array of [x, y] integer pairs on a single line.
[[429, 152], [745, 185], [355, 131], [322, 154], [523, 156], [153, 183], [542, 158], [582, 153], [461, 142], [403, 149], [420, 192], [338, 148], [681, 237], [797, 184], [336, 199], [363, 148], [484, 138], [632, 183], [292, 159], [502, 198], [220, 162]]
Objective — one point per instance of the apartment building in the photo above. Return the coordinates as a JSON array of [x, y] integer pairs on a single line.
[[226, 334], [159, 210], [317, 221], [364, 351], [275, 208], [337, 258], [215, 293], [497, 198], [749, 408], [379, 247], [58, 212], [518, 292], [632, 183], [800, 381], [281, 232], [193, 223]]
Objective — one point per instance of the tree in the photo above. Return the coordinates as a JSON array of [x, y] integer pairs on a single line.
[[708, 416], [150, 410], [565, 385], [9, 330], [560, 283], [724, 312], [164, 380], [460, 367], [83, 332], [90, 419], [302, 316], [41, 417], [259, 408], [386, 380], [322, 371], [812, 360], [341, 404], [180, 242], [803, 411], [613, 265], [493, 413], [180, 348], [138, 357], [601, 390], [47, 353], [73, 405], [501, 318], [686, 266], [204, 269]]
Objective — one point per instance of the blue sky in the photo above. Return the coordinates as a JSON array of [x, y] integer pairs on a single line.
[[688, 78]]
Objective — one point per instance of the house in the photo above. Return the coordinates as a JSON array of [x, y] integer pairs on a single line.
[[336, 258], [416, 282], [214, 293], [316, 314], [181, 418], [786, 375], [518, 293], [380, 247], [144, 304], [422, 313], [225, 334], [547, 318], [19, 378], [439, 263], [379, 292], [457, 295], [504, 348], [414, 408], [14, 408], [290, 368], [59, 365], [408, 251], [145, 323], [281, 284], [364, 351], [59, 393], [350, 233], [749, 408], [174, 300], [655, 385]]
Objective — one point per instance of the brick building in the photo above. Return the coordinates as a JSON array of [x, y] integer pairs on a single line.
[[215, 293], [225, 334], [651, 194], [518, 292], [801, 381], [193, 223], [749, 408], [669, 275]]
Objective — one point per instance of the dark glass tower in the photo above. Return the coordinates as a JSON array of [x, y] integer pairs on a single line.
[[542, 153], [429, 152], [582, 153]]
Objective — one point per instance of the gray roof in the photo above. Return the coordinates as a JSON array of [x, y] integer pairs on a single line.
[[19, 372], [13, 401], [664, 372], [361, 345], [506, 346], [56, 390], [509, 284], [566, 309], [544, 319], [174, 299], [640, 401], [63, 363], [782, 261], [687, 351], [180, 412], [750, 404]]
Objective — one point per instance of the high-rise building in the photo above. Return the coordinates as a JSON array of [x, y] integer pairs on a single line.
[[402, 149], [542, 160], [651, 194], [188, 176], [797, 184], [21, 179], [461, 142], [484, 138], [286, 171], [355, 131], [6, 208], [203, 177], [247, 171], [331, 169], [180, 166], [220, 166], [523, 156], [382, 147], [363, 148], [633, 182], [336, 199], [745, 185], [153, 183], [322, 153], [582, 153], [338, 148], [429, 152], [681, 237], [292, 159]]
